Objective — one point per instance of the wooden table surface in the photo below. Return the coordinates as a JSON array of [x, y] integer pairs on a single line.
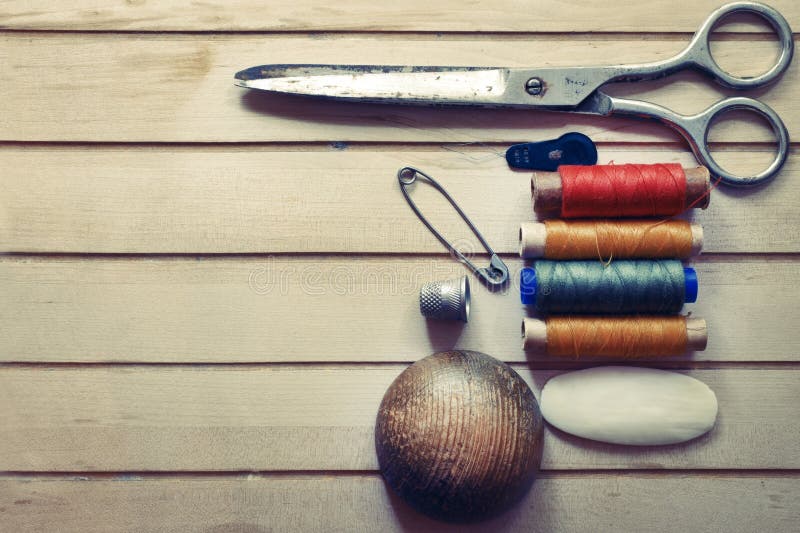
[[206, 291]]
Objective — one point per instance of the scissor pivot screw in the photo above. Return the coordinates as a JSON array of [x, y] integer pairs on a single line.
[[534, 86]]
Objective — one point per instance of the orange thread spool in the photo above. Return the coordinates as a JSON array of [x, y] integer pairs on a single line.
[[623, 337], [610, 239], [618, 239]]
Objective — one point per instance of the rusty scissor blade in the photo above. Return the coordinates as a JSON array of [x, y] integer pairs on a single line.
[[546, 88], [389, 84]]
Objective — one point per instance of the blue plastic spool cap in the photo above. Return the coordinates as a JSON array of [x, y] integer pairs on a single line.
[[527, 286], [690, 284]]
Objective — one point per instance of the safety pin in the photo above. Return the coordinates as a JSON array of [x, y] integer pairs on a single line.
[[496, 273]]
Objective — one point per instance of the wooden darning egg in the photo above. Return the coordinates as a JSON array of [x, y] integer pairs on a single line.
[[459, 436]]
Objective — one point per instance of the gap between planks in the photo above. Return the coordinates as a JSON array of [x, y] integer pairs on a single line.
[[709, 257], [753, 34], [484, 147], [537, 366], [251, 475]]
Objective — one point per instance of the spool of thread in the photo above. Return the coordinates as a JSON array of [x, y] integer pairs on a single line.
[[619, 191], [621, 287], [605, 239], [632, 337]]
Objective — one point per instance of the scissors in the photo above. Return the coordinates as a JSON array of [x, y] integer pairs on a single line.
[[571, 89]]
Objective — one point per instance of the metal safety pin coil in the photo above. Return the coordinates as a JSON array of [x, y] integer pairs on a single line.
[[496, 273]]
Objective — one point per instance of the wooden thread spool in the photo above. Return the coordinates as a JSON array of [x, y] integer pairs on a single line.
[[620, 287], [548, 198], [610, 239], [623, 337]]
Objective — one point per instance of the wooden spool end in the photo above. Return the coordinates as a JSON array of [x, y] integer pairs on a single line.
[[534, 335], [698, 187], [697, 239], [546, 194], [696, 334], [532, 239]]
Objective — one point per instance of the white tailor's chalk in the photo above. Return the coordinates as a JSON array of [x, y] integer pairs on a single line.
[[629, 405]]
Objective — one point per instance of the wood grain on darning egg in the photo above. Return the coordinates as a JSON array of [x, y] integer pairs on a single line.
[[459, 436]]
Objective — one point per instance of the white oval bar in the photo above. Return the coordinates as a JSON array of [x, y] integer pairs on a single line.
[[629, 405]]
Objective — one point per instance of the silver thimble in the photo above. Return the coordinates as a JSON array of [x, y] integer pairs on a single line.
[[446, 300]]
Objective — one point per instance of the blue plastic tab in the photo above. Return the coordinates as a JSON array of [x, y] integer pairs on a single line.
[[570, 149], [690, 282], [527, 286]]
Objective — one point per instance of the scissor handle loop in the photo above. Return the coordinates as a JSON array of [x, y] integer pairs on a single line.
[[695, 129], [698, 128], [698, 52]]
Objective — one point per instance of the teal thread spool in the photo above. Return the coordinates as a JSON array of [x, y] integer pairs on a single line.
[[648, 287]]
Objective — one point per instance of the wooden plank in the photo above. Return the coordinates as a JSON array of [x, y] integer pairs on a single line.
[[594, 503], [321, 418], [327, 309], [256, 199], [179, 88], [363, 15]]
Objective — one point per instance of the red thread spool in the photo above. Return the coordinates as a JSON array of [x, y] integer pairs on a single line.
[[620, 190]]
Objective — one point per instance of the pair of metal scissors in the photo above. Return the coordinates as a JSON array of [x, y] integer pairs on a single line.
[[572, 89]]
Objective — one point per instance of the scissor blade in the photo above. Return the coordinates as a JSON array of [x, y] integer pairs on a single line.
[[386, 84]]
